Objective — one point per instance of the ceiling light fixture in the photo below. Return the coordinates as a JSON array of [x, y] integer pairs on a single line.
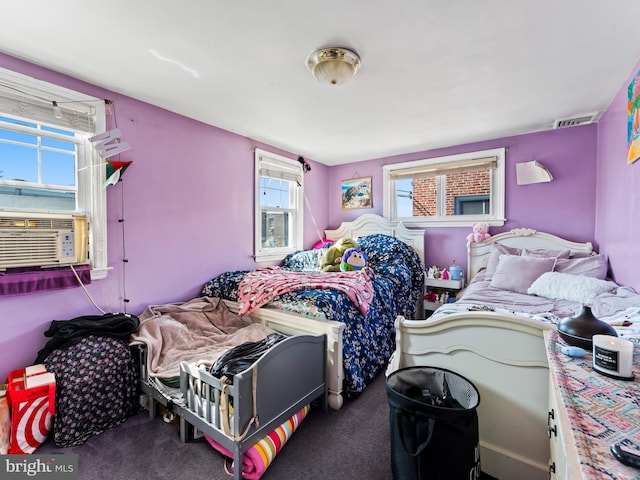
[[333, 65]]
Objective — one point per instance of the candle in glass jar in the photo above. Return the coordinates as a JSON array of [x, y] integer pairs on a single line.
[[613, 356]]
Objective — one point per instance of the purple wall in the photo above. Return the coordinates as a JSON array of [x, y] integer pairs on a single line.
[[188, 209], [564, 207], [189, 213], [618, 192]]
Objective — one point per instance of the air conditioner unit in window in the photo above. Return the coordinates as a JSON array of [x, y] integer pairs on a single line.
[[38, 240]]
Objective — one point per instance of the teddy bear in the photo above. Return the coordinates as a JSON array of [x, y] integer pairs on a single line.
[[353, 259], [330, 260], [480, 233]]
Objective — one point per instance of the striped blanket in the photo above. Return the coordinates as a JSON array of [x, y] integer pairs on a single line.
[[257, 459]]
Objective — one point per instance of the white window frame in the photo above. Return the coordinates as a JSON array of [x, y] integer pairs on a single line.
[[91, 171], [287, 167], [494, 218]]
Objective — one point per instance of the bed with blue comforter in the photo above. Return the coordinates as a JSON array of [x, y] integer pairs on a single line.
[[368, 339]]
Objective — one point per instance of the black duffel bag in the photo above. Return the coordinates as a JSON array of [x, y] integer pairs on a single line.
[[238, 359], [433, 425]]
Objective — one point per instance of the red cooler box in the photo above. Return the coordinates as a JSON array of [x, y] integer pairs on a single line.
[[31, 393]]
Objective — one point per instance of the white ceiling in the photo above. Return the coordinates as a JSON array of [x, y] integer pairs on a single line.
[[434, 73]]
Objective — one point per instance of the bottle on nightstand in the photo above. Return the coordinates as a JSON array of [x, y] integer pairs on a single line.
[[455, 272], [439, 291]]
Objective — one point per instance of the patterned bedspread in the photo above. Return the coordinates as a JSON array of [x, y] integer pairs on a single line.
[[368, 340]]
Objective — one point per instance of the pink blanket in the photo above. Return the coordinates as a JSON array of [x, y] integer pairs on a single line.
[[264, 284]]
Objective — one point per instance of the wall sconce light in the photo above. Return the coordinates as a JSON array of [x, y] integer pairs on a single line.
[[532, 172]]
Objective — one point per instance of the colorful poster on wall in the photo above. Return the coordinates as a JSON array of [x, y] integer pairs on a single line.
[[633, 127], [356, 193]]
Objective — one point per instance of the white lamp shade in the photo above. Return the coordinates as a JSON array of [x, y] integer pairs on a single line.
[[334, 72]]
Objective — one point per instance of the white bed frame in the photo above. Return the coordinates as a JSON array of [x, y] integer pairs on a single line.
[[504, 356], [291, 324]]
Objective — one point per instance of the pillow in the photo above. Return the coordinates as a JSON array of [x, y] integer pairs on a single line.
[[304, 260], [494, 257], [322, 242], [543, 252], [593, 266], [517, 273], [564, 286]]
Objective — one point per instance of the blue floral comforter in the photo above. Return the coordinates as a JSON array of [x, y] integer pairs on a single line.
[[368, 339]]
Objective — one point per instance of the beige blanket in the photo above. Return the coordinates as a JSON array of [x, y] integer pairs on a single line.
[[198, 331]]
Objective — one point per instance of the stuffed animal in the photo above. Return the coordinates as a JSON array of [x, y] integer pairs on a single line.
[[353, 259], [330, 260], [480, 233]]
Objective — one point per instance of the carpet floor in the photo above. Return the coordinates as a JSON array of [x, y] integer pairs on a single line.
[[352, 442]]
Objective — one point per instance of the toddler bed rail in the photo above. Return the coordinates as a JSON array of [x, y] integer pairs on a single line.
[[290, 375], [284, 380]]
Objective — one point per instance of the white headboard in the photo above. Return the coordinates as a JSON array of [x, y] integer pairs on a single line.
[[370, 223], [478, 253]]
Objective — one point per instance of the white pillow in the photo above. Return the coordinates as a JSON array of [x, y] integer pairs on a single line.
[[564, 286]]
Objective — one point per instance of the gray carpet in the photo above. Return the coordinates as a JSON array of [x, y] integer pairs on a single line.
[[352, 442], [349, 443]]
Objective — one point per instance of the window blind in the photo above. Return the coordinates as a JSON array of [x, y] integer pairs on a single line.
[[22, 102], [280, 169], [460, 166]]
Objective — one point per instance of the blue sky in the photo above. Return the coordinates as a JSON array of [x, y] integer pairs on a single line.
[[404, 203], [19, 160]]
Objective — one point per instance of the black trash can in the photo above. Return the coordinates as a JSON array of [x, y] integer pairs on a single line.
[[434, 425]]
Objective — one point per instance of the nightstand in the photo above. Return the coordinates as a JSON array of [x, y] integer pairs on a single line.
[[439, 286]]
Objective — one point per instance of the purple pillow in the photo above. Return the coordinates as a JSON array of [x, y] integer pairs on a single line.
[[543, 252], [516, 273], [593, 266], [494, 257]]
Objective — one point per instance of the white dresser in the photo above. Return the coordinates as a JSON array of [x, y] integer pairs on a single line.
[[588, 412]]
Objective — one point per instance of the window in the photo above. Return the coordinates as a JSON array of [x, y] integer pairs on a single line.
[[457, 190], [279, 194], [47, 163], [37, 167], [472, 204]]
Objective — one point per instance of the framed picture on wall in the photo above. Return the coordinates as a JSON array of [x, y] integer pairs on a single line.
[[356, 193], [633, 128]]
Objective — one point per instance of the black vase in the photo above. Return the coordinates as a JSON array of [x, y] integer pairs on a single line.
[[580, 329]]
